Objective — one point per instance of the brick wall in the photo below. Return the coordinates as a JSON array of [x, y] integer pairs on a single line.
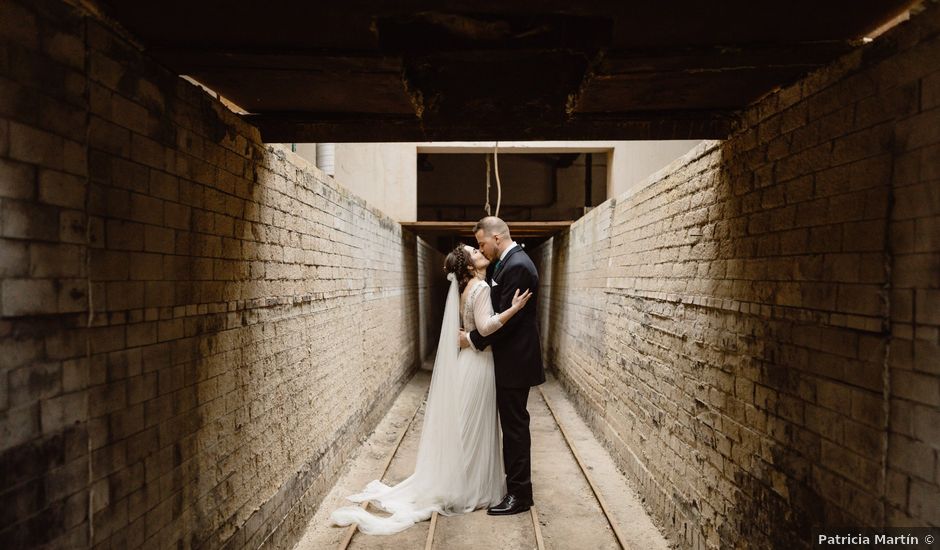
[[196, 328], [432, 289], [755, 333]]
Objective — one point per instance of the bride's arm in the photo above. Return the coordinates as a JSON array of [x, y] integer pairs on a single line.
[[486, 321]]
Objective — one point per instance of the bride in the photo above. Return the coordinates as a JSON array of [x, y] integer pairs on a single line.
[[459, 467]]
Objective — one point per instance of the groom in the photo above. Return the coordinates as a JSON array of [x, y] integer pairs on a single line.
[[517, 355]]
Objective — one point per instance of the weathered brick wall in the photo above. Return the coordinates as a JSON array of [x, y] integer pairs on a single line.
[[432, 289], [755, 333], [196, 328]]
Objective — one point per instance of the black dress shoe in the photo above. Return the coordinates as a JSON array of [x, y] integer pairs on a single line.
[[509, 506]]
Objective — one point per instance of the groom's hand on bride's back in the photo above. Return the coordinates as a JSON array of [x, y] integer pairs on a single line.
[[519, 300], [462, 340]]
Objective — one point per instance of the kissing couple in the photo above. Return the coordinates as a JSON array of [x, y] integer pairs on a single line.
[[487, 366]]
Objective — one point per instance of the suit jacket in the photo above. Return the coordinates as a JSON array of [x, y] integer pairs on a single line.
[[517, 351]]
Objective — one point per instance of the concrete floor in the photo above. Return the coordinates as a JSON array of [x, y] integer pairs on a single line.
[[569, 514]]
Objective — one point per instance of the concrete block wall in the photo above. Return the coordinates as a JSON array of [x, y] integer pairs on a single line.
[[196, 328], [755, 333]]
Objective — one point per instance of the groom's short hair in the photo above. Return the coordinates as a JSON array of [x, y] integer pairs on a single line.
[[492, 225]]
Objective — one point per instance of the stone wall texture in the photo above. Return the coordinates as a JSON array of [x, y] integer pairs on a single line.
[[754, 334], [195, 328]]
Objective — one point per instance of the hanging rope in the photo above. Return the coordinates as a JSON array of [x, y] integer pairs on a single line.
[[499, 187], [487, 205]]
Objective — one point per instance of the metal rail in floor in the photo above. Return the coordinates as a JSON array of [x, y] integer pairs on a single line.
[[351, 530]]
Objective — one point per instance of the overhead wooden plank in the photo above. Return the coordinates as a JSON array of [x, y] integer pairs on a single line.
[[327, 62], [720, 57], [365, 128], [349, 24], [744, 22], [465, 229], [302, 90], [672, 91]]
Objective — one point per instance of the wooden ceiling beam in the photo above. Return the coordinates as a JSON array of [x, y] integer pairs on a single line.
[[334, 62], [519, 230], [712, 57], [722, 57], [366, 127]]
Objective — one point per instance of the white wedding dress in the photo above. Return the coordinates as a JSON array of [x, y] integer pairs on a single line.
[[459, 466]]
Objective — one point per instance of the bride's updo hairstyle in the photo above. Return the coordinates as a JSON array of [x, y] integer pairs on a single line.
[[458, 262]]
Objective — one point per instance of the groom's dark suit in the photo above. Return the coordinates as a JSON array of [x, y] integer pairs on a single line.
[[517, 355]]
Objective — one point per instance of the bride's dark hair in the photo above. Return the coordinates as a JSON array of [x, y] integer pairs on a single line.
[[457, 263]]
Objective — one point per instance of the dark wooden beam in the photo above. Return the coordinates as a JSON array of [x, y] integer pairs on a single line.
[[362, 128], [705, 57], [519, 230], [723, 57], [260, 89], [333, 62]]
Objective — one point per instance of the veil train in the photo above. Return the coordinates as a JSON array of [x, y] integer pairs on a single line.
[[439, 482]]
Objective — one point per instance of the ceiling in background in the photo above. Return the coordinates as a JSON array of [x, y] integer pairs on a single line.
[[363, 70]]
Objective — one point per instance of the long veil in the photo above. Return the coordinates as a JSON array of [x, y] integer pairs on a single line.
[[439, 469]]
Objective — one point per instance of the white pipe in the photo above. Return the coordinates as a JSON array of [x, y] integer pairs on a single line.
[[326, 158]]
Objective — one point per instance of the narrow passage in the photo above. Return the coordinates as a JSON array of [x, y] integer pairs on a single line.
[[568, 512]]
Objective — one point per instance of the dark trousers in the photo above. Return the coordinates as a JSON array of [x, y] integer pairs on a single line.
[[514, 420]]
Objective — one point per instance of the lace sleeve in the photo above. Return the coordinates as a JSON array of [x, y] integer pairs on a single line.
[[486, 321]]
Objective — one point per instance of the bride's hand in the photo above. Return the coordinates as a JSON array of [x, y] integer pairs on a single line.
[[519, 300]]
